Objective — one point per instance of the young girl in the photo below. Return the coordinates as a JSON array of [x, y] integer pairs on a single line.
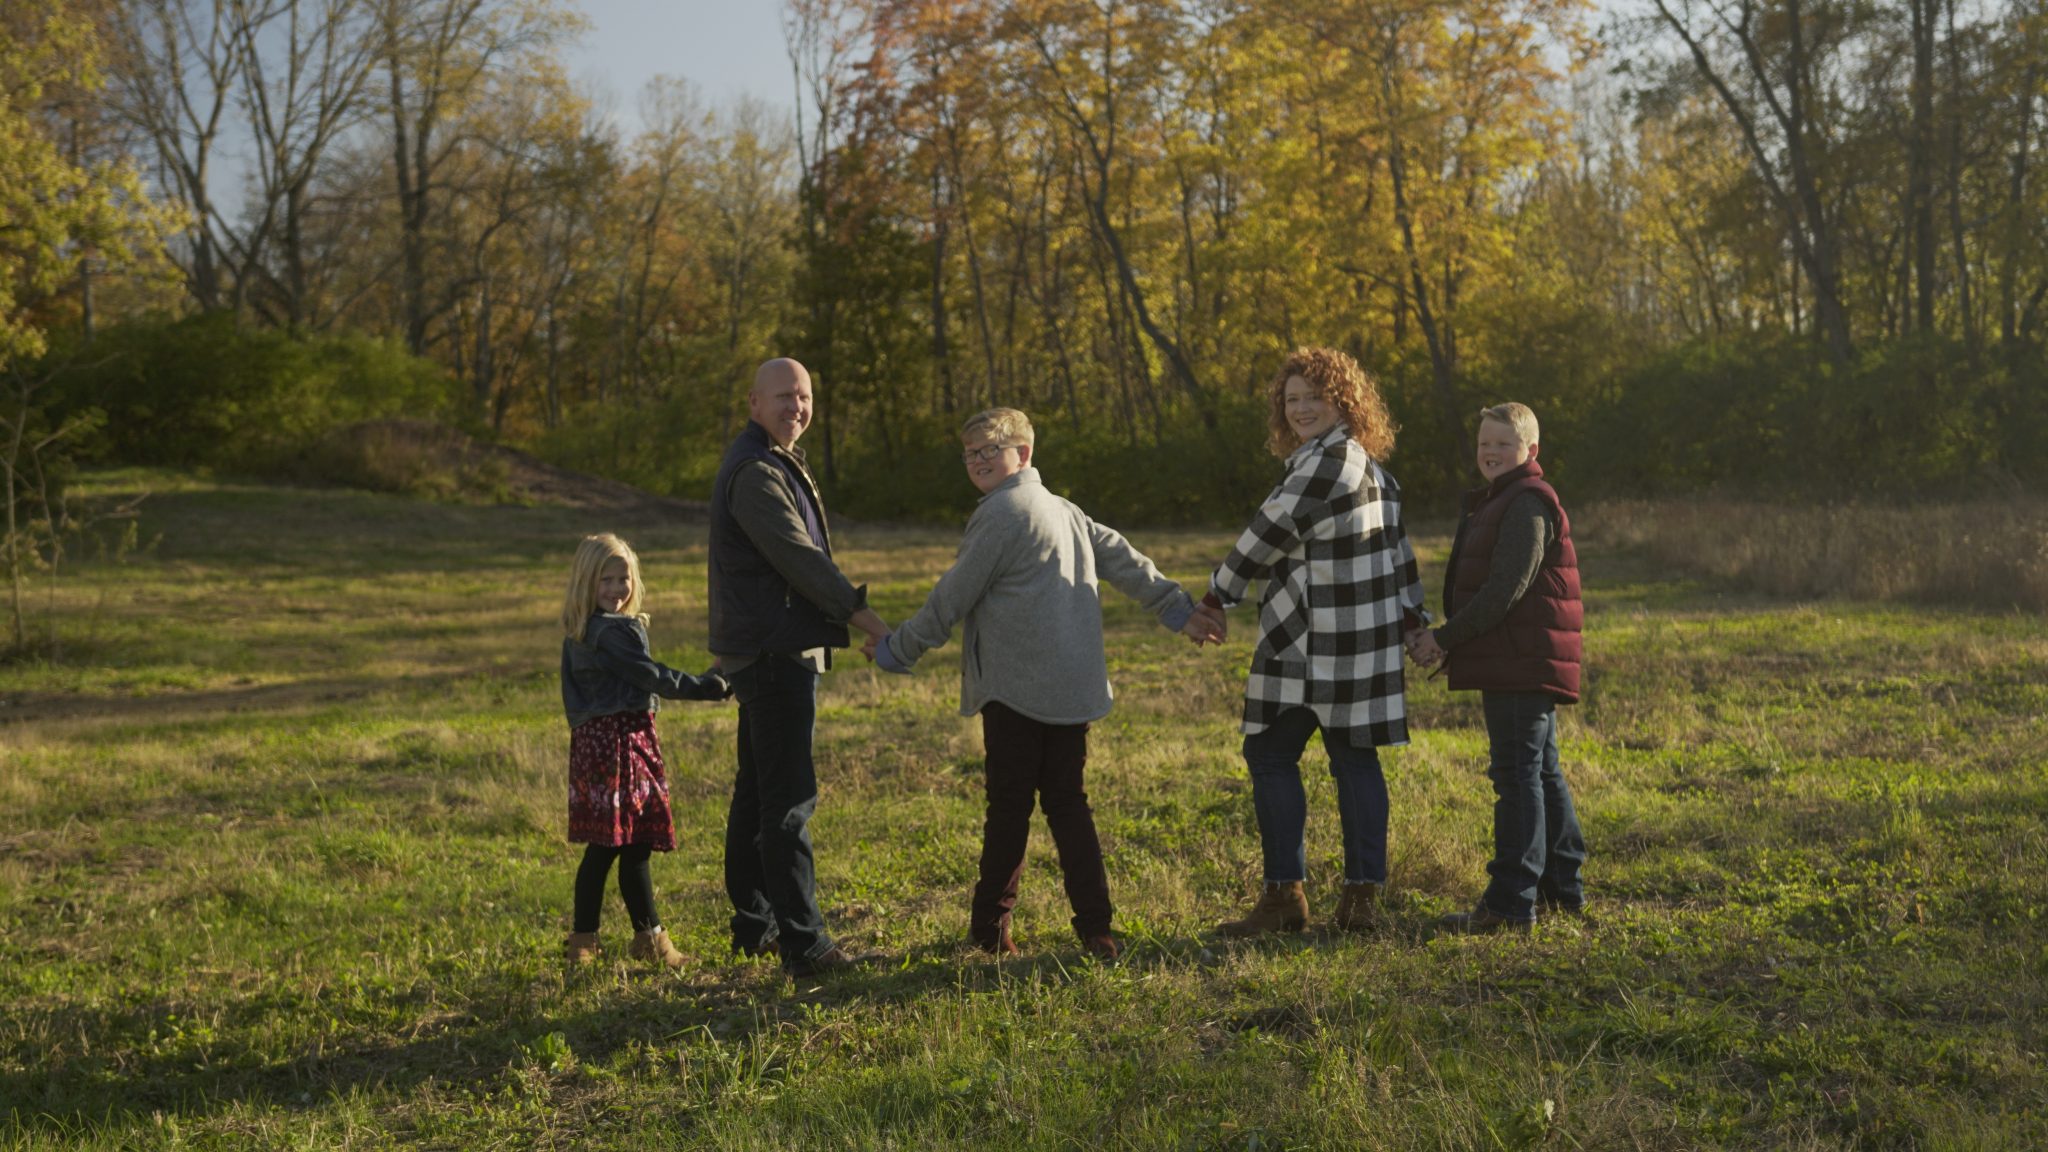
[[618, 786]]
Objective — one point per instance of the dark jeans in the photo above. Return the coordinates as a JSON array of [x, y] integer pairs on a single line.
[[1536, 842], [1028, 761], [769, 874], [1274, 757], [636, 886]]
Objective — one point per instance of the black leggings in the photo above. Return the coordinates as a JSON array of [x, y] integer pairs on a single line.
[[635, 885]]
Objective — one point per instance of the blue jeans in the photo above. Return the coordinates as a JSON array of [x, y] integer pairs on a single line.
[[1274, 757], [769, 875], [1536, 842]]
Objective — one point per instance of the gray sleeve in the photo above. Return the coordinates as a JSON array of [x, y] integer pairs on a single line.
[[1132, 573], [982, 552], [762, 505], [1525, 532]]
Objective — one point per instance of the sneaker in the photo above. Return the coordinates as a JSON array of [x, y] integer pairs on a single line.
[[1482, 920], [832, 960], [772, 946], [1548, 905]]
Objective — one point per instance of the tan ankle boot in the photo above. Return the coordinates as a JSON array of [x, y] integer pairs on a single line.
[[654, 945], [1283, 908], [1358, 909], [581, 948]]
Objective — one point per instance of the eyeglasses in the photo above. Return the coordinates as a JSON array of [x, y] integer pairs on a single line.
[[985, 452]]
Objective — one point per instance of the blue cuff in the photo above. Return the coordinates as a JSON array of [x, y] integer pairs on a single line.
[[885, 657], [1177, 617]]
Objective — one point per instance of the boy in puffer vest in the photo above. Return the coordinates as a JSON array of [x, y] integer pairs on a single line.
[[1511, 630]]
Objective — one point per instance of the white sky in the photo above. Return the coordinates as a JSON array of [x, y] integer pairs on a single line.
[[725, 48]]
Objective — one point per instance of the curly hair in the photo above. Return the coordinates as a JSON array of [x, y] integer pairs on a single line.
[[1350, 389]]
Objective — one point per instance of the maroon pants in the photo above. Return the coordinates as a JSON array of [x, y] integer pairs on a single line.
[[1028, 761]]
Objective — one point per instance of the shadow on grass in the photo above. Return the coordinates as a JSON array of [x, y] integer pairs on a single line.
[[272, 699], [729, 1011]]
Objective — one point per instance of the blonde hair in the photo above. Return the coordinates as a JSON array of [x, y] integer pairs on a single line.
[[591, 557], [1005, 426], [1516, 416], [1350, 389]]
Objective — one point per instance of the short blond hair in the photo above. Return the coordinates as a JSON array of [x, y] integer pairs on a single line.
[[591, 557], [1003, 426], [1516, 416]]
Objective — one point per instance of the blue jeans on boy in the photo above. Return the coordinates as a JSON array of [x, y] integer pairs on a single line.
[[769, 874], [1537, 847], [1274, 757]]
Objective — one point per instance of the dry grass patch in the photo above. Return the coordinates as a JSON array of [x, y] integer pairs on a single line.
[[1990, 554]]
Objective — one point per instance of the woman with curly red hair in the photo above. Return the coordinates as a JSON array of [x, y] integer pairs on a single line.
[[1341, 593]]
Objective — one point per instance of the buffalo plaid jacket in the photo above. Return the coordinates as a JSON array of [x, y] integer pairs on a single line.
[[1341, 588]]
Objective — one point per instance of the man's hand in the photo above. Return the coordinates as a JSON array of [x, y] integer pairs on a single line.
[[873, 625], [1423, 648]]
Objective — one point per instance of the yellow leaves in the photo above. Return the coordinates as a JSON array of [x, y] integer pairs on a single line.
[[54, 211]]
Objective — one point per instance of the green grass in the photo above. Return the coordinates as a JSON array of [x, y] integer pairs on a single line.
[[282, 865]]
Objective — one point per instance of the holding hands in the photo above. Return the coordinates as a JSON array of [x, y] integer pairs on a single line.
[[1205, 626], [877, 630], [1423, 648]]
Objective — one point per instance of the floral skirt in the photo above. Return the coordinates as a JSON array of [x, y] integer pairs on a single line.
[[618, 785]]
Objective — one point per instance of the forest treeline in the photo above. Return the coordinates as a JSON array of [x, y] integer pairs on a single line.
[[1792, 247]]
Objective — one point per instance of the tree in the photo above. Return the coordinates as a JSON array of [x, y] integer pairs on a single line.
[[51, 211]]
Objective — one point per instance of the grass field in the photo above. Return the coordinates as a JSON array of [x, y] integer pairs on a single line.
[[282, 866]]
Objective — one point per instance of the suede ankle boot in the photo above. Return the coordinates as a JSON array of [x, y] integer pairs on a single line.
[[1283, 908], [1358, 909], [581, 948], [655, 945]]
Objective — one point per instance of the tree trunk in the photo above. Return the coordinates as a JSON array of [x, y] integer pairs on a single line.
[[1920, 164]]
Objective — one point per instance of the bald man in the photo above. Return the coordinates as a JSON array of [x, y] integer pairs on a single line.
[[779, 605]]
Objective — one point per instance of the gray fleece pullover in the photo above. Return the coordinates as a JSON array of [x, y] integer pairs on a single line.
[[1024, 583]]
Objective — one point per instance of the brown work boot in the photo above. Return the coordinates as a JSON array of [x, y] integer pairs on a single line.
[[996, 943], [1103, 948], [1358, 909], [1283, 908], [654, 945], [1482, 920], [581, 948]]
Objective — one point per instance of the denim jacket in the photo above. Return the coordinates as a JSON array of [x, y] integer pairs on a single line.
[[612, 670]]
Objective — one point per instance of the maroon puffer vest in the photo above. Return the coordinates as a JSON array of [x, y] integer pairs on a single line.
[[1536, 649]]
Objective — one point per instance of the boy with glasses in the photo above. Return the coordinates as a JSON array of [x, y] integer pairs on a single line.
[[1032, 664]]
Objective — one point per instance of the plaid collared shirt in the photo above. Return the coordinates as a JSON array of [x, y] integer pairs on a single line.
[[1341, 586]]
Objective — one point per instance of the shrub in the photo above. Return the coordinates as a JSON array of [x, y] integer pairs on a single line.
[[1915, 418], [203, 391], [412, 458]]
